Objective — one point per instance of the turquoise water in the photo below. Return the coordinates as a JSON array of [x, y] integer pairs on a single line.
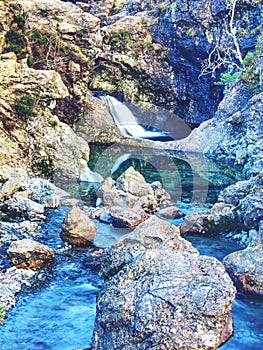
[[59, 313]]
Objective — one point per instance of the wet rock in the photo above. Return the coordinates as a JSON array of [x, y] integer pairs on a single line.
[[245, 267], [171, 212], [127, 218], [27, 253], [78, 229], [38, 190], [105, 217], [22, 209], [159, 293]]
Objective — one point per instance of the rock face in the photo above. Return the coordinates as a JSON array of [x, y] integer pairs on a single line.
[[159, 293], [245, 267], [27, 253], [234, 136], [78, 229]]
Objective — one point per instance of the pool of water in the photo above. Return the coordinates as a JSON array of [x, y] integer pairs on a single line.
[[59, 314]]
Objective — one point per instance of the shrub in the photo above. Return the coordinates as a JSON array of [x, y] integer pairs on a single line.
[[25, 107], [16, 41]]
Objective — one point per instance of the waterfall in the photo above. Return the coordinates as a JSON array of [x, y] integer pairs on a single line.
[[127, 122]]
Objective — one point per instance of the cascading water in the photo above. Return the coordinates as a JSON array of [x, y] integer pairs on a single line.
[[127, 122]]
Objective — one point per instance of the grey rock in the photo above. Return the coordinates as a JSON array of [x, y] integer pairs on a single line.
[[159, 293]]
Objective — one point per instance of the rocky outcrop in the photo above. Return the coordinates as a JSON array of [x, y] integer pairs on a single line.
[[234, 135], [239, 210], [29, 254], [78, 229], [245, 266], [40, 143], [160, 293]]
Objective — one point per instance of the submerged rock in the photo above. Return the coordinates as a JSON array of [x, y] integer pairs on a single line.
[[245, 267], [159, 293], [27, 253], [78, 229]]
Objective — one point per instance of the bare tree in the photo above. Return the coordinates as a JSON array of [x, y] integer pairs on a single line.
[[226, 50]]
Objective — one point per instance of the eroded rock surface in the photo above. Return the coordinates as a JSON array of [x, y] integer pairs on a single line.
[[159, 293]]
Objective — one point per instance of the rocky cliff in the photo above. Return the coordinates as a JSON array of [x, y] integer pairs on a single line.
[[55, 53]]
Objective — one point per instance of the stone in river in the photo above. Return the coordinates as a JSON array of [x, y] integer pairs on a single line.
[[78, 229]]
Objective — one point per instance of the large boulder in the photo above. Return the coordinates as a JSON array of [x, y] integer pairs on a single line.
[[159, 293], [78, 229], [245, 267], [27, 253]]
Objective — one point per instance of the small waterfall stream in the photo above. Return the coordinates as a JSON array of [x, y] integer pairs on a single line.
[[127, 122]]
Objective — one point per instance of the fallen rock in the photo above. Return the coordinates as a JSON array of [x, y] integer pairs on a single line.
[[159, 293], [78, 229], [29, 254], [127, 218], [245, 267], [90, 176], [22, 208]]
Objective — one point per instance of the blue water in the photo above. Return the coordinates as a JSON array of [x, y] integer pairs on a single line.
[[59, 312]]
